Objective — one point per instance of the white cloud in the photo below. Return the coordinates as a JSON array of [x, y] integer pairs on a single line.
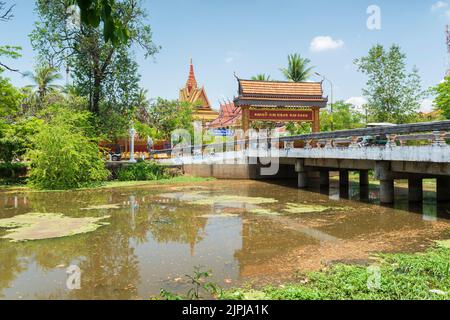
[[439, 5], [426, 105], [324, 43], [357, 102]]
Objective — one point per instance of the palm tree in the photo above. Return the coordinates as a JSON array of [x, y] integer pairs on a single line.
[[44, 78], [261, 77], [298, 69], [142, 105]]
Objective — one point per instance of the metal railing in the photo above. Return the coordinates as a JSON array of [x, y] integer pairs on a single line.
[[435, 132]]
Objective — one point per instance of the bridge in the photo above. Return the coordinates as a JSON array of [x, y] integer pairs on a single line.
[[411, 152]]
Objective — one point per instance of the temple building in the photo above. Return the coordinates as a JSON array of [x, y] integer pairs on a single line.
[[230, 117], [195, 95]]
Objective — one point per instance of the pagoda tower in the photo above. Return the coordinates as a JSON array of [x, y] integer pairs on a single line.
[[195, 95]]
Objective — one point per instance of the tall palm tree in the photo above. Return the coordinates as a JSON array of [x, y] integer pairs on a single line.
[[298, 69], [142, 105], [261, 77], [44, 78]]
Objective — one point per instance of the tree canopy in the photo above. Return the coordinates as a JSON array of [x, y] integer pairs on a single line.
[[102, 70], [442, 99], [393, 94], [298, 68]]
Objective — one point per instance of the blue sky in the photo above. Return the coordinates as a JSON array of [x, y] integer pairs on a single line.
[[255, 36]]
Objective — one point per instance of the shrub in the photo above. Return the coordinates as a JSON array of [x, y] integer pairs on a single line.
[[142, 171], [12, 170], [65, 157]]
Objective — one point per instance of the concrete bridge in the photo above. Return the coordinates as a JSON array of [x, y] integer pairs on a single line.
[[413, 152]]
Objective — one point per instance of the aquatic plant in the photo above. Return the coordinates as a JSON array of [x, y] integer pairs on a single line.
[[40, 226], [230, 199], [305, 208], [264, 212], [198, 286]]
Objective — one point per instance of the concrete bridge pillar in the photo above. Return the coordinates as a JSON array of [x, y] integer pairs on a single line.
[[324, 178], [443, 189], [344, 178], [384, 174], [302, 174], [364, 178], [415, 190]]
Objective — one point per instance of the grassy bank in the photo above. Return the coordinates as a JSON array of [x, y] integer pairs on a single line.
[[17, 187], [402, 276]]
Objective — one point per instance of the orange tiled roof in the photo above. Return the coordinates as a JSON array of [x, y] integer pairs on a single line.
[[251, 87], [230, 115], [279, 93]]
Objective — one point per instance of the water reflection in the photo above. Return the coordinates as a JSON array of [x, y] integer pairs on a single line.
[[153, 239]]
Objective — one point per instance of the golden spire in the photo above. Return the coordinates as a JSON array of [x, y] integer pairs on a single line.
[[192, 82]]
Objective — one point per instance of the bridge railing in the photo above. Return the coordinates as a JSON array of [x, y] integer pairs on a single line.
[[434, 133]]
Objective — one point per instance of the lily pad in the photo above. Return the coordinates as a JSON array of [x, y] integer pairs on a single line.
[[264, 212], [305, 208], [40, 226], [104, 207]]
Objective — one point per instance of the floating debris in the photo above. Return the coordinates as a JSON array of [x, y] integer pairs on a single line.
[[40, 226]]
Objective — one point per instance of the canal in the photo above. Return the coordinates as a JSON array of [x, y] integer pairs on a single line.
[[148, 238]]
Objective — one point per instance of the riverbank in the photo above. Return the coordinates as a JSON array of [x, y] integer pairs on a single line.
[[420, 276], [17, 187]]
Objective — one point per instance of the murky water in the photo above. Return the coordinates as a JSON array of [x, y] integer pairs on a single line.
[[157, 235]]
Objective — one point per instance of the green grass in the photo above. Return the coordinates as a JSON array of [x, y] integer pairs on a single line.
[[421, 276]]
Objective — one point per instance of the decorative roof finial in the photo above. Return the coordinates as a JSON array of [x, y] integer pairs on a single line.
[[192, 82]]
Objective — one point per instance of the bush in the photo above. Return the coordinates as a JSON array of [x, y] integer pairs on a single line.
[[142, 171], [65, 157], [12, 170]]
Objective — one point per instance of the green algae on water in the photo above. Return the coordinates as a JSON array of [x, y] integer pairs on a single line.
[[264, 212], [103, 207], [229, 199], [305, 208], [40, 226]]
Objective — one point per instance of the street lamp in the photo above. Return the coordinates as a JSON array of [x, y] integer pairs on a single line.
[[132, 135], [331, 85]]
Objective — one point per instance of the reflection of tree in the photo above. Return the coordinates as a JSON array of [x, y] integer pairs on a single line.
[[10, 266], [173, 224]]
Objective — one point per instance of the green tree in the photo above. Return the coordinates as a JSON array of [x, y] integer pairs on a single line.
[[66, 154], [442, 97], [393, 94], [298, 69], [44, 78], [102, 70], [166, 116], [92, 12], [344, 117], [10, 99], [261, 77]]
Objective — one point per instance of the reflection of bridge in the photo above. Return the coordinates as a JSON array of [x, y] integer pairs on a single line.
[[413, 152]]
